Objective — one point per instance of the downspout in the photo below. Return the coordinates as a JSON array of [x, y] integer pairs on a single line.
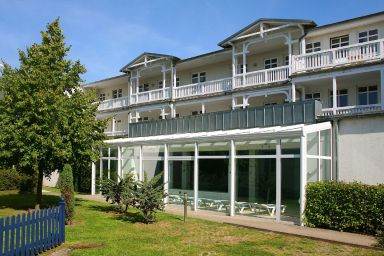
[[303, 34], [335, 173]]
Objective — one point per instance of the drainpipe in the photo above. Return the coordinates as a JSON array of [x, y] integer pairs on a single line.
[[303, 34], [335, 151]]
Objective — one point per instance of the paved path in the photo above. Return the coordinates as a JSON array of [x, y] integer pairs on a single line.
[[267, 225]]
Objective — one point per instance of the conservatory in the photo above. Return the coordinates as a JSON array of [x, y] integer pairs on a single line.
[[258, 172]]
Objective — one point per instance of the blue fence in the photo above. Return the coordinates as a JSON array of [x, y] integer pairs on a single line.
[[33, 232]]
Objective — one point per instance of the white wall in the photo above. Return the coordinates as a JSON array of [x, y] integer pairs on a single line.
[[52, 181], [361, 149]]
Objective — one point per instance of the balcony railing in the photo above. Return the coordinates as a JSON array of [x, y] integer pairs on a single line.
[[362, 52], [215, 86], [113, 103], [262, 77], [301, 112], [153, 95], [116, 133], [349, 110]]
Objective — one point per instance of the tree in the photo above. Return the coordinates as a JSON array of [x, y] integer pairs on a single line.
[[67, 192], [47, 119]]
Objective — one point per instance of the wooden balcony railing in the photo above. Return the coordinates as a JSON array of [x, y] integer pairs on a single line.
[[153, 95], [262, 77], [349, 110], [215, 86]]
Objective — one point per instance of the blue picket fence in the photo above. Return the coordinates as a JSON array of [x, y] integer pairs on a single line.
[[33, 232]]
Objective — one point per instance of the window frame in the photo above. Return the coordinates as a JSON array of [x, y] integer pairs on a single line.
[[200, 76], [271, 64], [117, 93], [102, 96], [367, 37], [338, 95], [312, 47], [340, 43], [367, 96], [312, 96]]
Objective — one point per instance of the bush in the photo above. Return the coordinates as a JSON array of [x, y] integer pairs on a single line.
[[352, 207], [10, 179], [67, 192]]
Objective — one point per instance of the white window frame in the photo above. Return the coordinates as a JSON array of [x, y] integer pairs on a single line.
[[367, 94], [338, 97], [102, 96], [272, 62], [240, 68], [339, 43], [143, 87], [310, 47], [286, 60], [200, 76], [160, 84], [118, 93], [177, 81], [309, 96], [367, 37]]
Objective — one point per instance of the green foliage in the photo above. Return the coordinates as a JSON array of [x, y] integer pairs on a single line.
[[10, 179], [149, 197], [67, 192], [46, 118], [352, 207]]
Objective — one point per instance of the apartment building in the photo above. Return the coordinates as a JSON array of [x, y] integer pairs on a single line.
[[242, 130]]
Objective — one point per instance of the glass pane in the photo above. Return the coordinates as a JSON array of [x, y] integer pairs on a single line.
[[113, 170], [256, 187], [130, 152], [130, 165], [214, 149], [313, 143], [373, 97], [181, 149], [152, 168], [113, 152], [312, 169], [256, 147], [325, 142], [104, 152], [213, 184], [343, 100], [290, 146], [290, 189], [362, 98], [153, 151], [104, 169], [325, 166], [180, 180]]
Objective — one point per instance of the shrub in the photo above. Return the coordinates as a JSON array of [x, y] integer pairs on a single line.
[[67, 192], [10, 179], [352, 207]]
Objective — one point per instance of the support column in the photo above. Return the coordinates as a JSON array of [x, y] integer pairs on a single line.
[[293, 92], [289, 42], [196, 178], [129, 89], [173, 110], [129, 121], [232, 175], [202, 107], [303, 175], [334, 95], [233, 66], [119, 171], [163, 71], [382, 88], [101, 170], [113, 125], [93, 179], [244, 61], [303, 93], [278, 180], [173, 81], [137, 86], [141, 172], [166, 172], [233, 103]]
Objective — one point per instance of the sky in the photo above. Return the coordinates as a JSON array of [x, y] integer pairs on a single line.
[[107, 34]]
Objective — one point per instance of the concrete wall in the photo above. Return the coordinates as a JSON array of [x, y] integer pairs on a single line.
[[361, 149]]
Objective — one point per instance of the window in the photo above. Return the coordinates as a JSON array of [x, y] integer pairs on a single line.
[[117, 93], [315, 96], [143, 119], [160, 84], [342, 98], [143, 87], [198, 78], [286, 61], [339, 41], [369, 35], [270, 63], [240, 68], [270, 104], [194, 113], [177, 81], [102, 96], [367, 95], [312, 47]]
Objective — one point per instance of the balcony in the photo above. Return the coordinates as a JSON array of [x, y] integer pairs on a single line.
[[262, 77], [350, 110], [357, 53], [116, 133], [153, 95], [215, 86], [113, 103], [302, 112]]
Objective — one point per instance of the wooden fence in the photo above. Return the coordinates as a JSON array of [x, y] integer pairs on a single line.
[[33, 232]]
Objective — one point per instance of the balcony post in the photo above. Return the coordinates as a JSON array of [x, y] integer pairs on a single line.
[[334, 95], [202, 107], [382, 88], [233, 66], [113, 125], [293, 92], [129, 121], [129, 90], [303, 175], [244, 62], [119, 172], [93, 180], [166, 172], [232, 179], [163, 71], [137, 85], [196, 177], [289, 42]]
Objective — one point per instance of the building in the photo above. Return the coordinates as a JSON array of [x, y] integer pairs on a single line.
[[243, 129]]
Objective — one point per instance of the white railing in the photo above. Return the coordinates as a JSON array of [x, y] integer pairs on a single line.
[[153, 95], [113, 103], [351, 110], [261, 77], [215, 86], [116, 133], [337, 56]]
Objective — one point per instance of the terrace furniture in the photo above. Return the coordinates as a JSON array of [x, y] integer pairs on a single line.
[[241, 206], [270, 208]]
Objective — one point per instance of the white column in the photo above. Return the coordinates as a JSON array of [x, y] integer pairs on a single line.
[[202, 107], [233, 66], [303, 93], [129, 121], [93, 180], [101, 170], [382, 87], [137, 85], [129, 89], [196, 178], [119, 171], [244, 61], [162, 113], [173, 83], [334, 94], [141, 172], [293, 92], [278, 180], [166, 172], [289, 42], [303, 175], [173, 110], [232, 186], [113, 125], [302, 46], [233, 103]]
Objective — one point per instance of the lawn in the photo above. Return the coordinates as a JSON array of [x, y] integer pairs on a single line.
[[98, 230]]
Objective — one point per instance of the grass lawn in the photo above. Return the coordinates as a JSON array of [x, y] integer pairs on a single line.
[[98, 230]]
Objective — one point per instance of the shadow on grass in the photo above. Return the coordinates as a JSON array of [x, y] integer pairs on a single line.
[[26, 201]]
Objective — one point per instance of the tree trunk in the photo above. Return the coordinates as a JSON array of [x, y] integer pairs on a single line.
[[39, 189]]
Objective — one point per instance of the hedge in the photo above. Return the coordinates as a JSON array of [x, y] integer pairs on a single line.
[[352, 207], [10, 179]]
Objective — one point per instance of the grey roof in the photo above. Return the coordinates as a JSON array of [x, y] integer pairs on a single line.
[[124, 69], [306, 22], [103, 80]]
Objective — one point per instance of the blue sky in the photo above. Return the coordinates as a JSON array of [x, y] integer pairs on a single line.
[[105, 35]]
